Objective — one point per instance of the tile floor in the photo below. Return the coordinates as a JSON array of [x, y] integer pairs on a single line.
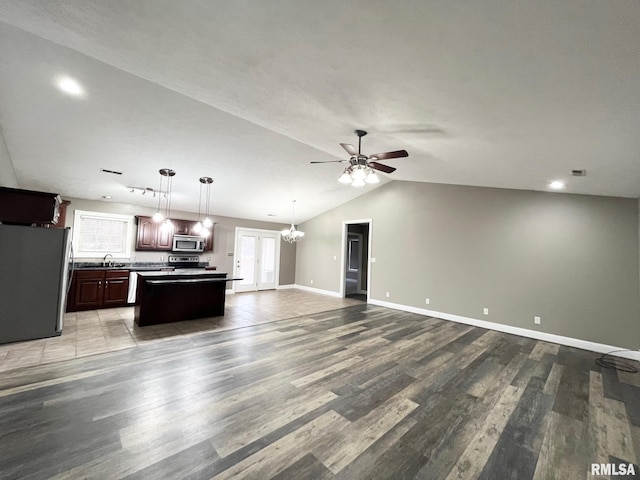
[[98, 331]]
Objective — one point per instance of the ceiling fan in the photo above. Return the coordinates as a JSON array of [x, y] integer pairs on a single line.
[[361, 167]]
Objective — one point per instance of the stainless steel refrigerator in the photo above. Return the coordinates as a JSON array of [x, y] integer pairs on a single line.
[[34, 275]]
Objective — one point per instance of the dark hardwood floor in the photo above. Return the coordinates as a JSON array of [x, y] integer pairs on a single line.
[[359, 392]]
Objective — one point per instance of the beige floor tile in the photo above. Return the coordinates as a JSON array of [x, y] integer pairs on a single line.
[[97, 331]]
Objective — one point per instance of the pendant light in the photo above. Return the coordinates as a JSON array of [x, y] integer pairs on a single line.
[[167, 172], [202, 227], [158, 216], [197, 228], [290, 234], [207, 222]]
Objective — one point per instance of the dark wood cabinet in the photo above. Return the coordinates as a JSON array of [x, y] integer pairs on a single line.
[[164, 238], [183, 227], [151, 235], [208, 246], [93, 289], [27, 207], [87, 289], [116, 288], [147, 234], [173, 297]]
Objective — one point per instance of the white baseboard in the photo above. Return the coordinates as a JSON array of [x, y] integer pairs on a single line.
[[286, 287], [523, 332], [317, 290]]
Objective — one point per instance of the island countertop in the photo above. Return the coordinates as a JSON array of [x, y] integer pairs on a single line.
[[184, 272]]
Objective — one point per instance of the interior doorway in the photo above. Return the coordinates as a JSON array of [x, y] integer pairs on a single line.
[[356, 248], [257, 259]]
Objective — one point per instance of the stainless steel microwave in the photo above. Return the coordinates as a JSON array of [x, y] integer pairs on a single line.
[[188, 243]]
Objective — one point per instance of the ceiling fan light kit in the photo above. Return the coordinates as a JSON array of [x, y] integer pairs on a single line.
[[362, 168]]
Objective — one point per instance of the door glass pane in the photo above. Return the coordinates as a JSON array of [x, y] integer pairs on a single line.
[[247, 260], [268, 260]]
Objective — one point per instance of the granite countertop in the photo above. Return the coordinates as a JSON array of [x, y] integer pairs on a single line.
[[134, 267], [201, 272]]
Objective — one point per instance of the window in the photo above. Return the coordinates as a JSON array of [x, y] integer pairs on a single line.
[[95, 234]]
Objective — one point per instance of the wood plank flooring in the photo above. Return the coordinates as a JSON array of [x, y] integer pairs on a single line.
[[360, 392]]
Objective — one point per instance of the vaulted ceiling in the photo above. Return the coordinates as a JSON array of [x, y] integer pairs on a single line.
[[488, 93]]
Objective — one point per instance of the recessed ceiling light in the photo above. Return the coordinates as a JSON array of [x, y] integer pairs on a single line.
[[70, 86], [556, 185]]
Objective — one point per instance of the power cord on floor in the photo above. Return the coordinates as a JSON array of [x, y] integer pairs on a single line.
[[607, 361]]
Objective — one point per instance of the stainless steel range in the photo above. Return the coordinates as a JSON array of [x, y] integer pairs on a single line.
[[184, 261]]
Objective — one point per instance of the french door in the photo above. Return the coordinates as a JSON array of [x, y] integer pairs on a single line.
[[257, 259]]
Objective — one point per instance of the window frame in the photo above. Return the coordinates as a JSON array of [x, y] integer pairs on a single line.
[[76, 232]]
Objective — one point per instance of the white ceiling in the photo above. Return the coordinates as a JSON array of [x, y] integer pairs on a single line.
[[489, 93]]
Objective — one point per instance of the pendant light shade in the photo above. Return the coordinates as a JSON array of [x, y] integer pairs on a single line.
[[372, 177], [345, 177]]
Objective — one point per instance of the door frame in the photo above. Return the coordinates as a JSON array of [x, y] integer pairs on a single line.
[[343, 256], [235, 253]]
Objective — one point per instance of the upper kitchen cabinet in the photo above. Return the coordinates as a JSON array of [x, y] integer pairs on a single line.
[[208, 246], [27, 207], [183, 227], [151, 235]]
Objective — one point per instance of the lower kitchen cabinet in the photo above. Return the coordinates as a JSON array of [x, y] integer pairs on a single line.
[[116, 288], [92, 289]]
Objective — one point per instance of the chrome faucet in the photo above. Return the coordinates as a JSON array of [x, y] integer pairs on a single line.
[[104, 260]]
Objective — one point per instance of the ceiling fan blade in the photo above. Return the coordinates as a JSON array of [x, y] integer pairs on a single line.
[[388, 155], [330, 161], [381, 167], [351, 150]]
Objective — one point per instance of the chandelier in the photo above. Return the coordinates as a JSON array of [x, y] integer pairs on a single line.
[[290, 234]]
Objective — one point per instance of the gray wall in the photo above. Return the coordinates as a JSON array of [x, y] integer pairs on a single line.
[[223, 240], [571, 259], [7, 173]]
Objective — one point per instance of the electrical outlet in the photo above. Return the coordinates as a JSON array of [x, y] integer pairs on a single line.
[[427, 301], [485, 311], [536, 320], [311, 282], [386, 294], [335, 257], [373, 260]]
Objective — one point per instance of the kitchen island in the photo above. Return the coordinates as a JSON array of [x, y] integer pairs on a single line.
[[164, 297]]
